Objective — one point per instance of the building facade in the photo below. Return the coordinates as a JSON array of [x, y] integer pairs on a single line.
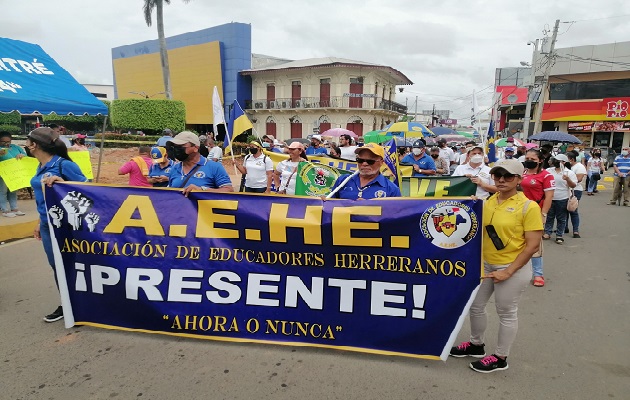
[[297, 98]]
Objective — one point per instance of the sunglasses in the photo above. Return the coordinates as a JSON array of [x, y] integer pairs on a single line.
[[365, 160], [506, 177]]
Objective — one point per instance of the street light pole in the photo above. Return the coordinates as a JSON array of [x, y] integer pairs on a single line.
[[545, 88], [530, 94]]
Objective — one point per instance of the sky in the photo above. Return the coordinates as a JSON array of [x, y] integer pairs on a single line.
[[448, 48]]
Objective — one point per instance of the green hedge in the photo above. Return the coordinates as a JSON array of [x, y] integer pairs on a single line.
[[148, 115], [12, 118], [12, 129]]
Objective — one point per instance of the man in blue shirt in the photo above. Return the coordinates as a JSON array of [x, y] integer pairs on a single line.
[[369, 183], [167, 135], [622, 177], [161, 169], [194, 172], [422, 163], [316, 146]]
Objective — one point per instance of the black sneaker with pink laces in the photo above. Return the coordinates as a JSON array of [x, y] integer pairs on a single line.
[[467, 349], [489, 364]]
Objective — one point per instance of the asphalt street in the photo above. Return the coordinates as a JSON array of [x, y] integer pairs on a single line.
[[572, 342]]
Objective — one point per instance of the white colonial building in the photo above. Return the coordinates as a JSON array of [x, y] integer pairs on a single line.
[[292, 99]]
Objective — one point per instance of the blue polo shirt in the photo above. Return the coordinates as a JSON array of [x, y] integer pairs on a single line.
[[69, 172], [163, 140], [210, 174], [380, 187], [425, 162], [277, 150], [623, 164], [310, 150], [156, 171]]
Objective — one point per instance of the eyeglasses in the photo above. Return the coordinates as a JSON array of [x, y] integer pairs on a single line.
[[506, 177], [365, 160]]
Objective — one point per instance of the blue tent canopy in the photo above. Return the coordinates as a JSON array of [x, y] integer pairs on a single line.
[[32, 82]]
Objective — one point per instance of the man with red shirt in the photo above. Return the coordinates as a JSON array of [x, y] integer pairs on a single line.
[[138, 168]]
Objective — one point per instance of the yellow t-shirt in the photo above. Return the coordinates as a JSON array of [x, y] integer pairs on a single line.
[[510, 224]]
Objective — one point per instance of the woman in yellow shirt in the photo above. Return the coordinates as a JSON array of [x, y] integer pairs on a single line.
[[511, 235]]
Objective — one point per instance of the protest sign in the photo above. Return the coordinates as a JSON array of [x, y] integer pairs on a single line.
[[393, 276], [82, 159], [315, 179], [17, 174]]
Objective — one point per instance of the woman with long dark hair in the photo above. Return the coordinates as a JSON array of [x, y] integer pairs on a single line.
[[54, 166], [538, 185]]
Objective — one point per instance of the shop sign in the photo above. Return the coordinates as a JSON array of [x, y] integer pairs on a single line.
[[580, 126], [615, 107]]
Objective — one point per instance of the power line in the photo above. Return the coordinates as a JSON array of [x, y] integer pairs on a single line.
[[596, 19]]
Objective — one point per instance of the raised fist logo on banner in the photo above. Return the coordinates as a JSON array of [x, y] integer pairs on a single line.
[[56, 215], [76, 205]]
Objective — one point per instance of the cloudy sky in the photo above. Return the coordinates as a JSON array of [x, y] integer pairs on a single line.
[[447, 48]]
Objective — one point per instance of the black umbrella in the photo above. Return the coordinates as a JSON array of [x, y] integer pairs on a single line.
[[555, 136], [299, 140]]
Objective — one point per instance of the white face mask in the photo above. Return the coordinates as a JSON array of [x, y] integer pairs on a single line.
[[476, 159], [624, 152], [416, 152]]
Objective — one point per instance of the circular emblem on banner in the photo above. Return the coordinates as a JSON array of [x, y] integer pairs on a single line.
[[317, 179], [449, 224], [200, 174]]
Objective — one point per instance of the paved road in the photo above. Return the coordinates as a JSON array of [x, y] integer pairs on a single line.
[[572, 343]]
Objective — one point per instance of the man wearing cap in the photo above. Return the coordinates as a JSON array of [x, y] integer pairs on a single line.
[[79, 143], [446, 152], [194, 172], [269, 144], [369, 183], [422, 163], [346, 148], [477, 172], [167, 135], [621, 165], [138, 167], [316, 146], [161, 168]]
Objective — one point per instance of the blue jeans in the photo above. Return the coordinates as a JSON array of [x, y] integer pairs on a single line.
[[5, 195], [592, 184], [537, 266], [44, 232], [574, 215], [557, 212]]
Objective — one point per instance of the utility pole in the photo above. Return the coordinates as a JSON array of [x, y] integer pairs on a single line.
[[415, 116], [530, 94], [545, 87]]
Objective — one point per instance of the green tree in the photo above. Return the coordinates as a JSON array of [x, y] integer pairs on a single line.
[[149, 5]]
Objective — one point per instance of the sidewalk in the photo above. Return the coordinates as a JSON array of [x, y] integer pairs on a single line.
[[20, 227]]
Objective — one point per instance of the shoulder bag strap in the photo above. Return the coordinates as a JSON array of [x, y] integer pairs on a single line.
[[190, 174]]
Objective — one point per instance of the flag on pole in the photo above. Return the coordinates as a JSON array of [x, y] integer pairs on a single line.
[[491, 151], [391, 161], [218, 116], [239, 123]]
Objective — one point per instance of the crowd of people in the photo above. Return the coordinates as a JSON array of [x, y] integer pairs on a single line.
[[527, 196]]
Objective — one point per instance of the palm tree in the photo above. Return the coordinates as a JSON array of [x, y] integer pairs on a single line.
[[149, 5]]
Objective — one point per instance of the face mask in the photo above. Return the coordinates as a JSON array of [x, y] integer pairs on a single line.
[[253, 150], [529, 164], [417, 152], [435, 155], [476, 159], [596, 155], [177, 153], [266, 145], [624, 152]]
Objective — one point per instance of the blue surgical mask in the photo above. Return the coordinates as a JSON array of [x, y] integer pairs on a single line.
[[266, 145]]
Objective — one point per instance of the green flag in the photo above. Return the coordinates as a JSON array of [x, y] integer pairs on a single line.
[[315, 179]]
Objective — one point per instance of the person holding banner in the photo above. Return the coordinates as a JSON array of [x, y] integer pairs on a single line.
[[8, 200], [511, 235], [194, 172], [369, 183], [477, 172], [422, 163], [258, 170], [54, 166], [286, 171]]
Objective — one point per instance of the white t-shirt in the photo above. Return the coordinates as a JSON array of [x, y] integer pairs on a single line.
[[462, 158], [562, 191], [287, 169], [257, 168], [347, 153], [595, 165], [215, 152], [577, 169], [483, 172], [448, 154]]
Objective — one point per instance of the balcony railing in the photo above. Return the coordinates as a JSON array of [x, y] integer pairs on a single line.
[[361, 103]]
